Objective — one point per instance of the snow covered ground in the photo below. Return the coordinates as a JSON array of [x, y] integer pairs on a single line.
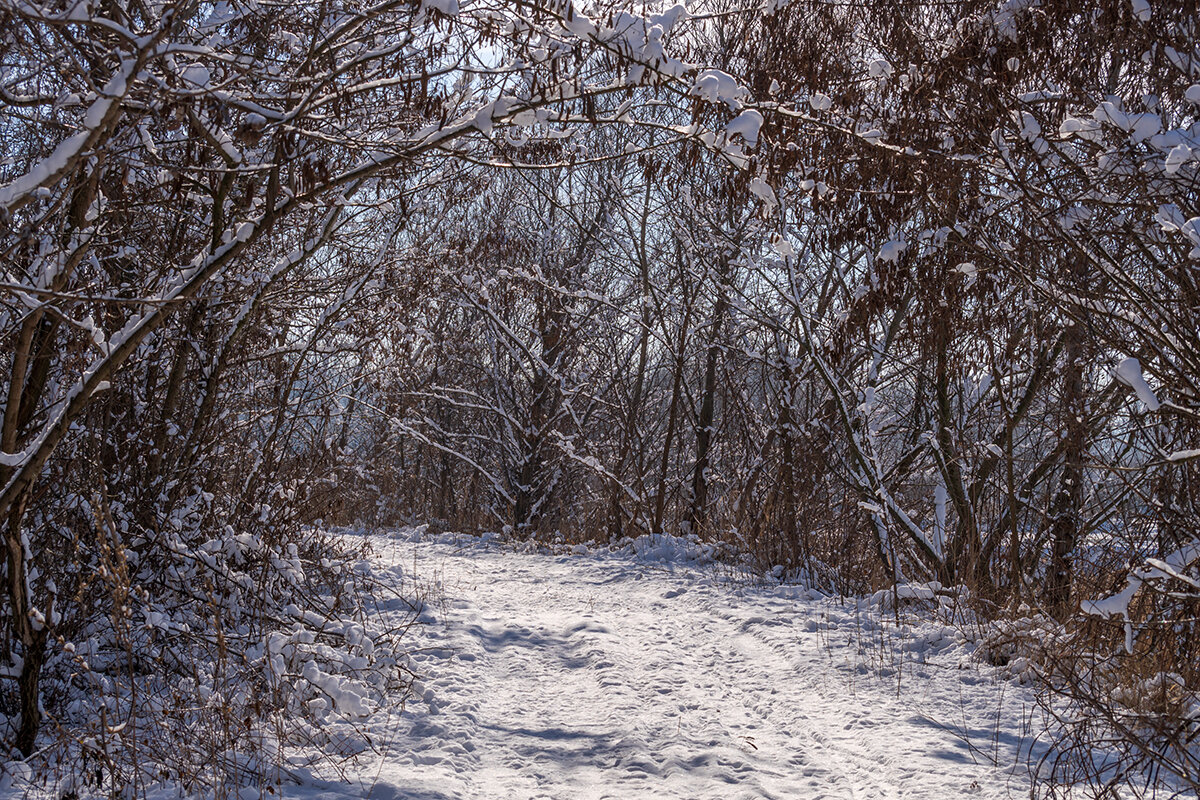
[[610, 676]]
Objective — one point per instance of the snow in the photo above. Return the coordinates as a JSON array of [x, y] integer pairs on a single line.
[[716, 86], [52, 167], [579, 24], [1140, 126], [667, 19], [1191, 229], [1083, 128], [1030, 128], [14, 459], [1117, 605], [447, 7], [892, 250], [1143, 126], [746, 125], [783, 247], [820, 102], [969, 271], [651, 672], [197, 75], [1176, 158], [1129, 372], [879, 68], [763, 191]]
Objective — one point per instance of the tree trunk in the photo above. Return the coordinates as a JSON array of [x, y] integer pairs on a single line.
[[1067, 502], [30, 628], [698, 514]]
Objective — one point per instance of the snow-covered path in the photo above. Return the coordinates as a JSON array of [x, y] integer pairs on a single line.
[[600, 677]]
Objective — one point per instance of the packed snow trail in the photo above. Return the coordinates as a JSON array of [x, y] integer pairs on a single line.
[[596, 676]]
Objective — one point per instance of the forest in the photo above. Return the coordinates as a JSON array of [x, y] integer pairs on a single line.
[[862, 294]]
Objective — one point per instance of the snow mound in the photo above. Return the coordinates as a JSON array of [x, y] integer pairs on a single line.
[[663, 548]]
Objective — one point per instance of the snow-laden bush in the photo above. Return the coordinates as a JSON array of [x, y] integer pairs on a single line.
[[214, 662], [1126, 687]]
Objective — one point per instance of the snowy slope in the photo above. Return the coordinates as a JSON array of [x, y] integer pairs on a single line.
[[602, 676]]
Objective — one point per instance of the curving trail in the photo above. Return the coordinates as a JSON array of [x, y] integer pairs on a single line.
[[580, 677]]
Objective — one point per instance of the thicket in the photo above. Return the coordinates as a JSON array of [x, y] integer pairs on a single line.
[[904, 292]]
